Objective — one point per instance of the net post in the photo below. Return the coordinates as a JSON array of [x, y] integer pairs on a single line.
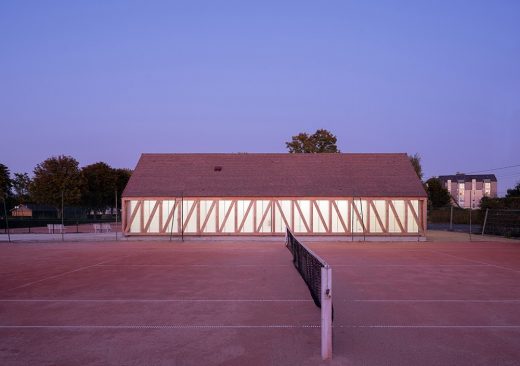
[[326, 313]]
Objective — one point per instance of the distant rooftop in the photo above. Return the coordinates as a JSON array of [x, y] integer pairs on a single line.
[[468, 177]]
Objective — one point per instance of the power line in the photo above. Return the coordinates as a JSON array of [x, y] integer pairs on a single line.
[[509, 175], [493, 169]]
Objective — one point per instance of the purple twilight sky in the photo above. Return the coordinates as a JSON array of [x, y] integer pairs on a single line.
[[108, 80]]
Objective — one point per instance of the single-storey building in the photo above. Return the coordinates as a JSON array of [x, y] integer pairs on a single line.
[[21, 211], [262, 194]]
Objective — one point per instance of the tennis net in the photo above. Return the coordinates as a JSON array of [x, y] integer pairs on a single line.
[[317, 274]]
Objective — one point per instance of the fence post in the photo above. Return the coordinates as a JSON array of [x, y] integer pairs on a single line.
[[485, 220], [326, 313], [470, 223], [6, 221]]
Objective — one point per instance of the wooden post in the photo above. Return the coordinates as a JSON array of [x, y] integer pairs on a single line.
[[123, 216], [173, 216], [326, 313], [182, 216]]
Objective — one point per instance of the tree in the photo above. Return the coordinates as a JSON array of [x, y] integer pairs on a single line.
[[100, 185], [322, 141], [438, 195], [513, 192], [55, 176], [416, 163], [122, 177], [5, 182], [21, 184]]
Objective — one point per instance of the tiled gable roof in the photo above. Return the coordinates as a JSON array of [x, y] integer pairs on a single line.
[[274, 175]]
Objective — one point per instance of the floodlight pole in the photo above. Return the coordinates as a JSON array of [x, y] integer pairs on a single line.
[[116, 214], [6, 221], [470, 209], [62, 214]]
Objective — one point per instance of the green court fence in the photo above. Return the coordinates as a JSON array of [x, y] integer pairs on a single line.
[[502, 222]]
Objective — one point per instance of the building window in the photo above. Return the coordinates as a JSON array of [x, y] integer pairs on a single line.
[[461, 194], [487, 188]]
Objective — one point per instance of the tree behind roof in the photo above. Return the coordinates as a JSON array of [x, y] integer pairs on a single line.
[[416, 163], [322, 141]]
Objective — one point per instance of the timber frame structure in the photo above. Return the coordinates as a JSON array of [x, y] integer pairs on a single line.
[[270, 216], [353, 195]]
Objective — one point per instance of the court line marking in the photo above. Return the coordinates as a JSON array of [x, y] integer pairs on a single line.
[[154, 300], [408, 265], [193, 265], [434, 326], [156, 326], [475, 261], [268, 326], [504, 301], [63, 274], [434, 300]]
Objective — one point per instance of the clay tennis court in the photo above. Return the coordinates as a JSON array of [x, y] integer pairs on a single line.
[[243, 303]]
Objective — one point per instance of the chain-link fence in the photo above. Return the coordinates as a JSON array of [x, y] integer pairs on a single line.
[[34, 221], [455, 219], [502, 222]]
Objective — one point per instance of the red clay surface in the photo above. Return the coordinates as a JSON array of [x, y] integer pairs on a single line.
[[242, 303]]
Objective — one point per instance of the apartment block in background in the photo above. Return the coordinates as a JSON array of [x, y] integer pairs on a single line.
[[468, 190]]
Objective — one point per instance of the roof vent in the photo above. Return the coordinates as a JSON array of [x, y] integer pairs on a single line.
[[217, 168]]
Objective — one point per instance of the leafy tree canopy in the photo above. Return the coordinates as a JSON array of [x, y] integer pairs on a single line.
[[122, 177], [54, 176], [5, 181], [416, 163], [438, 195], [322, 141], [511, 202], [514, 192], [100, 185], [21, 185]]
